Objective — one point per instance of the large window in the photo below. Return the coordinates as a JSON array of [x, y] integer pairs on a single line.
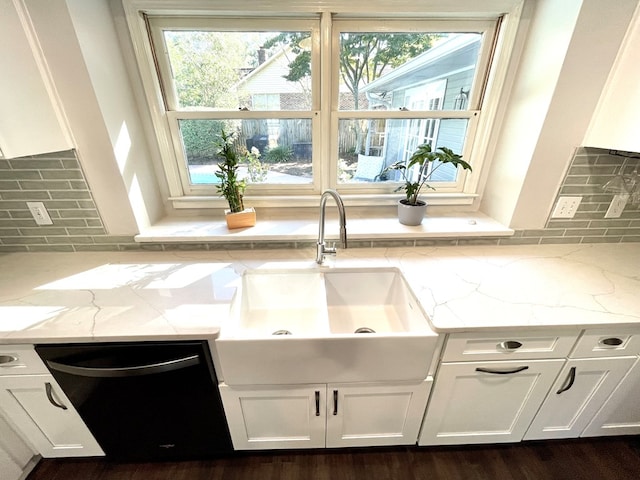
[[252, 78], [316, 101]]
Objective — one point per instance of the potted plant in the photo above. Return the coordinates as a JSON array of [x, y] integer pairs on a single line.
[[232, 187], [411, 209]]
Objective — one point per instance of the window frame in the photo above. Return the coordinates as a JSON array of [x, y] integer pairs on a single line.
[[499, 79], [156, 26], [464, 185]]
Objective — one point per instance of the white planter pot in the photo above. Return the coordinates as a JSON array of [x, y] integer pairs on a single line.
[[411, 215]]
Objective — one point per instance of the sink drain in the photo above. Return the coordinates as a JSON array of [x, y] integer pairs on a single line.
[[364, 330], [281, 332]]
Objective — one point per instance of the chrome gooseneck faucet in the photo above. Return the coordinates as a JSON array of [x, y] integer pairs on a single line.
[[321, 249]]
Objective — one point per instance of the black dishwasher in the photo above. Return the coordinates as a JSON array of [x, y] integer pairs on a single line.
[[144, 401]]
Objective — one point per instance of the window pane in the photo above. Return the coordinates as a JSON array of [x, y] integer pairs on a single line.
[[274, 151], [367, 146], [414, 71], [237, 70]]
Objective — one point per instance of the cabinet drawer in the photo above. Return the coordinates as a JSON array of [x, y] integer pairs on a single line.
[[462, 347], [20, 360], [608, 342]]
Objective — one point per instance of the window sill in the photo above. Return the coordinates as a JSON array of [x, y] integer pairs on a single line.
[[303, 227]]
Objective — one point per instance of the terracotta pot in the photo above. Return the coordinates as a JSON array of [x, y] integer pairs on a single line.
[[243, 219], [411, 215]]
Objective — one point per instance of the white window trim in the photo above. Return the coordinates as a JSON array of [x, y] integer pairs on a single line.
[[498, 82]]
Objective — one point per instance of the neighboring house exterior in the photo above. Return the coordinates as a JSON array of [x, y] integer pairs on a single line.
[[266, 88], [438, 79]]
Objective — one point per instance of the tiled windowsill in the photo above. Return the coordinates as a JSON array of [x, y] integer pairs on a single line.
[[304, 228]]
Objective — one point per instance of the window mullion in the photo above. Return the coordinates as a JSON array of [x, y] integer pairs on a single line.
[[327, 151]]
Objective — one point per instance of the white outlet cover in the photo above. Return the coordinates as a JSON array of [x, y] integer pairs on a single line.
[[617, 206], [566, 207], [39, 212]]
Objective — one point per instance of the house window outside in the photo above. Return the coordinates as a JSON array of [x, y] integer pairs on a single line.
[[417, 73], [393, 87]]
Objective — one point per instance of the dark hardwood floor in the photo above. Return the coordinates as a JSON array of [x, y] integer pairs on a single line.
[[603, 459]]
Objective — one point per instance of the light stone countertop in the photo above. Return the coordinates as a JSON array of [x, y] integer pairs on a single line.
[[117, 296]]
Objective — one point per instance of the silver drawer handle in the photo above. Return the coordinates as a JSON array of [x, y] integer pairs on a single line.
[[510, 345], [6, 360]]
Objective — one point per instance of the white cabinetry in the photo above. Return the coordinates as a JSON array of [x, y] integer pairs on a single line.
[[275, 416], [29, 119], [331, 415], [493, 398], [486, 402], [616, 121], [620, 415], [582, 387], [15, 454], [34, 403], [385, 414], [597, 365]]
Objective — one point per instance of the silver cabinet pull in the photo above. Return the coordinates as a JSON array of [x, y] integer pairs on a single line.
[[49, 389], [611, 341], [510, 345], [335, 402], [317, 403], [162, 367], [7, 359], [568, 383], [502, 372]]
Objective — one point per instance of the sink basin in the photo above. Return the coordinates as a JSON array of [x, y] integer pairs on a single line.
[[279, 302], [325, 325], [376, 301]]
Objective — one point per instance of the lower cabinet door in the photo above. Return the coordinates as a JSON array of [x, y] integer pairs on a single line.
[[620, 414], [275, 416], [41, 411], [580, 390], [364, 415], [15, 455], [486, 402]]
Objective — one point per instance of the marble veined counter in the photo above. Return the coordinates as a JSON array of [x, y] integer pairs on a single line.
[[109, 296]]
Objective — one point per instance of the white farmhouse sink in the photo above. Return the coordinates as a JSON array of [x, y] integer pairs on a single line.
[[279, 302], [375, 299], [292, 326]]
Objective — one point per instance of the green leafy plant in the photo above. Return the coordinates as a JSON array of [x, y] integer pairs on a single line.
[[231, 187], [423, 157], [280, 154]]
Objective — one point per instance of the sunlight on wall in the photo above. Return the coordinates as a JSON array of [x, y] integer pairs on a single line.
[[122, 147]]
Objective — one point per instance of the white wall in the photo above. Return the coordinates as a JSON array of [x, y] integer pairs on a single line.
[[101, 51], [570, 49], [82, 52], [616, 124]]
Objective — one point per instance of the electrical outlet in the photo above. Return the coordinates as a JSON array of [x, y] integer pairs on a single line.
[[566, 207], [39, 213], [617, 206]]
